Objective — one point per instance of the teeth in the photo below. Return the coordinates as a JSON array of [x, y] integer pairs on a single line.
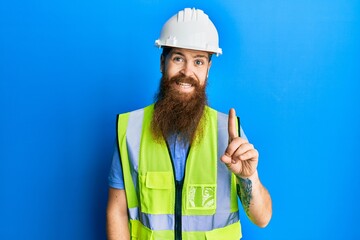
[[184, 84]]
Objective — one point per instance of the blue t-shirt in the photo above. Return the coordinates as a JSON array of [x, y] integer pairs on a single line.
[[178, 150]]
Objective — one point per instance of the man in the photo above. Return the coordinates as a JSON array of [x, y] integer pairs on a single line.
[[179, 165]]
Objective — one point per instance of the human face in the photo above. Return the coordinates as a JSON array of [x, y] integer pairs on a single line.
[[189, 63]]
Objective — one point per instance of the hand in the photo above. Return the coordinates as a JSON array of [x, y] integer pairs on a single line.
[[240, 156]]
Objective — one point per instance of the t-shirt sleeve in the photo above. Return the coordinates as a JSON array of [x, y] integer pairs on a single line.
[[115, 178], [242, 133]]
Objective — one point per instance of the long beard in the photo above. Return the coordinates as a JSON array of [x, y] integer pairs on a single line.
[[179, 113]]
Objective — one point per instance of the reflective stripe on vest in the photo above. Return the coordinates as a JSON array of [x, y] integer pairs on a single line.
[[202, 216]]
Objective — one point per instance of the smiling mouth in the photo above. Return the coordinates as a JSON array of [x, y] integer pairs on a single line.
[[184, 85]]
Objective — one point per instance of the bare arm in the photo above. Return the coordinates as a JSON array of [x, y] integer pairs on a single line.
[[117, 225], [255, 199]]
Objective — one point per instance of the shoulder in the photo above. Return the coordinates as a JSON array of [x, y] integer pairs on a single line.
[[219, 114], [138, 111]]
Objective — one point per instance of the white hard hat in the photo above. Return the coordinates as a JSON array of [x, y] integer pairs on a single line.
[[191, 29]]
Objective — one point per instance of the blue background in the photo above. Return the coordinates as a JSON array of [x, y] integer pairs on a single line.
[[290, 68]]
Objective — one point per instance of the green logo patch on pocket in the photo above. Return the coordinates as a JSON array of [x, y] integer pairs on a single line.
[[201, 196]]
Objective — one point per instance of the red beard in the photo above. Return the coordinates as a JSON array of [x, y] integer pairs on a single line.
[[179, 113]]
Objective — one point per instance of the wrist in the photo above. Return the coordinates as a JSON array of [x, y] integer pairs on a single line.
[[253, 177]]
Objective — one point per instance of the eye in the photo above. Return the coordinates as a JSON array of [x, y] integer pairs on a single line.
[[199, 62], [178, 59]]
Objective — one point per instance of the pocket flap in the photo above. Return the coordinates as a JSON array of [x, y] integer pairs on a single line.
[[159, 180], [230, 232]]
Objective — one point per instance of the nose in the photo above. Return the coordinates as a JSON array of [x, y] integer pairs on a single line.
[[187, 70]]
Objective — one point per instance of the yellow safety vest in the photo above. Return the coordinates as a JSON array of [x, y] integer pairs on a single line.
[[202, 206]]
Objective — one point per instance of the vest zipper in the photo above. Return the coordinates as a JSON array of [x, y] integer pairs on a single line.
[[178, 206], [178, 209]]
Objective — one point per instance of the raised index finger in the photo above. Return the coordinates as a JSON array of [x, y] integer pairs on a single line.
[[232, 129]]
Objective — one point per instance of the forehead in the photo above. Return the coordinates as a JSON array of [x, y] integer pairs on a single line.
[[189, 53]]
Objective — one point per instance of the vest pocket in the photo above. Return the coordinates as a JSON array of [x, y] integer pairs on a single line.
[[139, 231], [157, 193]]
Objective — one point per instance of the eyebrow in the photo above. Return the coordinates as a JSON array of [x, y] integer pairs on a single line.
[[201, 56], [196, 56]]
